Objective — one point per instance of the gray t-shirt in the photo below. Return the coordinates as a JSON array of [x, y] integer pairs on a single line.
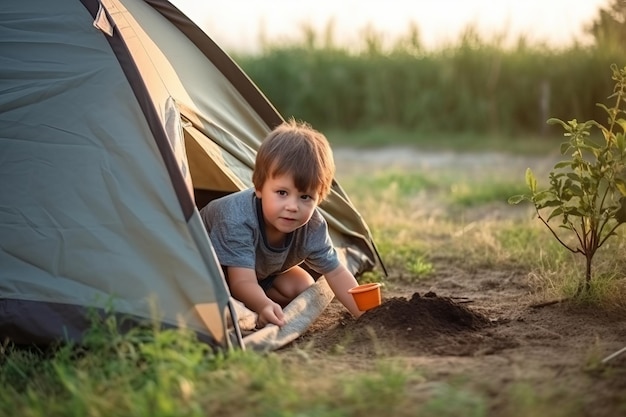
[[237, 232]]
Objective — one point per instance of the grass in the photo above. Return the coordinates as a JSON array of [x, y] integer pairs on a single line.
[[167, 373], [423, 215], [472, 194], [421, 219]]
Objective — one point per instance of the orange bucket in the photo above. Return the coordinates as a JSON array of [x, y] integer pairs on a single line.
[[366, 296]]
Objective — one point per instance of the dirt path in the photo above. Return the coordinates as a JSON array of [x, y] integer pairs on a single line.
[[350, 161], [479, 326]]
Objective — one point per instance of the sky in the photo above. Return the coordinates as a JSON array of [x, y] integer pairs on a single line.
[[236, 25]]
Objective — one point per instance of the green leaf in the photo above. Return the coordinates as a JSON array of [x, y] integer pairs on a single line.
[[563, 164], [554, 121], [551, 203], [576, 190], [566, 187], [574, 211], [516, 199], [542, 196], [574, 176], [604, 107], [596, 152], [620, 214], [555, 212], [531, 181], [606, 134], [620, 184], [619, 141]]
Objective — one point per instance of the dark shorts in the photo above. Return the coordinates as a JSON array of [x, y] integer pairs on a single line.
[[266, 283]]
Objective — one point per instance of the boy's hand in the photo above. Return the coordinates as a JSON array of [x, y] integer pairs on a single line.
[[271, 313]]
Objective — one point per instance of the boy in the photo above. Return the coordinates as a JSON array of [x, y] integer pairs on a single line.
[[262, 235]]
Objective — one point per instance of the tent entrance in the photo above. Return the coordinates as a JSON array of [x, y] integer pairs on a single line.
[[211, 172]]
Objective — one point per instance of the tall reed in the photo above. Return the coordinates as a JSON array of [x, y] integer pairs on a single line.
[[476, 85]]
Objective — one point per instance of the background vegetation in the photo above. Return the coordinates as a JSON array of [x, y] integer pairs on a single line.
[[480, 86]]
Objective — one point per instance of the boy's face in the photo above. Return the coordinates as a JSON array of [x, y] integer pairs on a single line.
[[285, 208]]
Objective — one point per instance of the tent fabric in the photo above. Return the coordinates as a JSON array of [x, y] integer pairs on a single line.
[[115, 117], [89, 213]]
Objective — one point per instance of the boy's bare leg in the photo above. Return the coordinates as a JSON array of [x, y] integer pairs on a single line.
[[289, 285]]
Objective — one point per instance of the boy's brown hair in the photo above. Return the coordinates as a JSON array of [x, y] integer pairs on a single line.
[[297, 149]]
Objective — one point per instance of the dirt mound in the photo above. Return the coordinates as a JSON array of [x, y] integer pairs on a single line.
[[427, 315], [428, 323]]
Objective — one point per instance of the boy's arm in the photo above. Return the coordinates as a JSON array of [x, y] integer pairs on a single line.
[[244, 287], [340, 281]]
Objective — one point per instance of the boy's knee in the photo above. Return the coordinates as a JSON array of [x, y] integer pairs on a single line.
[[304, 286], [296, 289]]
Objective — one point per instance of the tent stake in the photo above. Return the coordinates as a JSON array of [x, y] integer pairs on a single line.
[[614, 355]]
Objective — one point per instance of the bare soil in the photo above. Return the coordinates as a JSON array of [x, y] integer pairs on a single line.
[[483, 327]]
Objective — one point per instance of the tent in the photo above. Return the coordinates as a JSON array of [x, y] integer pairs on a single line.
[[119, 119]]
